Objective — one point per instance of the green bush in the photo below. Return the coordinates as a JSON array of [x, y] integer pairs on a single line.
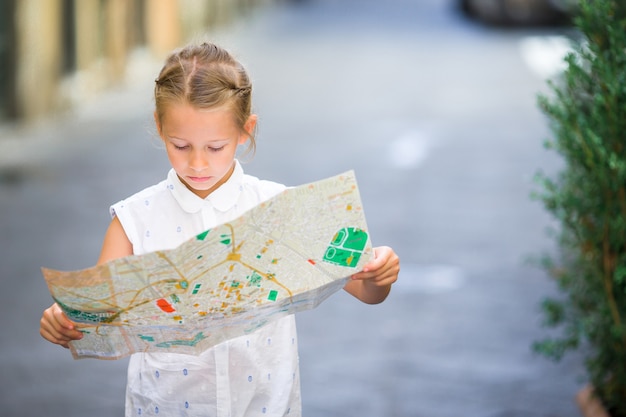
[[587, 114]]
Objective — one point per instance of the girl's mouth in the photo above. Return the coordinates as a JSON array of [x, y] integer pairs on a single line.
[[200, 179]]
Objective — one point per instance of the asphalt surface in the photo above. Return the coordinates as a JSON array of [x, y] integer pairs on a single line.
[[438, 118]]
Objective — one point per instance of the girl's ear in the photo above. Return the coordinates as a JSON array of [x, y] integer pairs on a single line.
[[249, 127]]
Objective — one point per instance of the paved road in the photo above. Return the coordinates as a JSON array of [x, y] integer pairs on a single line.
[[436, 115]]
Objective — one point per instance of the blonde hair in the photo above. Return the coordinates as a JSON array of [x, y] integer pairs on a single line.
[[205, 76]]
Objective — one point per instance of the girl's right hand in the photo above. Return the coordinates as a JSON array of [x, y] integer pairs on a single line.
[[55, 327]]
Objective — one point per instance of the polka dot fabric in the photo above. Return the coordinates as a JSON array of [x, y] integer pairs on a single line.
[[253, 375]]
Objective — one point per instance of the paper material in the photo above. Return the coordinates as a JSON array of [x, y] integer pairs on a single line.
[[286, 255]]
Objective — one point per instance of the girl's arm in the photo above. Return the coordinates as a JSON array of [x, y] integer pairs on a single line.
[[372, 285], [116, 243], [54, 325]]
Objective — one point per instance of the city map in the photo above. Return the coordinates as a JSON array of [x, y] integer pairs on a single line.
[[285, 255]]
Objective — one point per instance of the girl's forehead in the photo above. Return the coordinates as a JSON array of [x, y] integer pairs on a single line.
[[184, 106], [183, 113]]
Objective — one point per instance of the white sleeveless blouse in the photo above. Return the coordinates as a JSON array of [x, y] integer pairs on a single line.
[[252, 375]]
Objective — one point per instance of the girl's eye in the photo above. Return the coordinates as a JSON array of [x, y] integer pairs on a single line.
[[217, 149], [179, 146]]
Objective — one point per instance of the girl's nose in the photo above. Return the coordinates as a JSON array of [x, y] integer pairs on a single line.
[[198, 161]]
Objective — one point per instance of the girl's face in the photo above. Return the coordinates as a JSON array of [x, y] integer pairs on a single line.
[[201, 144]]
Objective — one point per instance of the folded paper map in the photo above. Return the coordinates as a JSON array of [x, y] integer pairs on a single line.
[[285, 255]]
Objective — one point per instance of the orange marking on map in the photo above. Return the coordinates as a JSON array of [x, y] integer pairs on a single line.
[[165, 306]]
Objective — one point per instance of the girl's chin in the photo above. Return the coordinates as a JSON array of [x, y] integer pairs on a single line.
[[202, 189]]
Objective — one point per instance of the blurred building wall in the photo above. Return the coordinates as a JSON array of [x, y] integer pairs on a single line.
[[7, 57], [58, 52]]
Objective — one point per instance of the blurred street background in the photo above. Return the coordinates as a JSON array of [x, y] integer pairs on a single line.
[[436, 113]]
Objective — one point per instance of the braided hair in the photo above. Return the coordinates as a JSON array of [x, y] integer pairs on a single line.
[[205, 76]]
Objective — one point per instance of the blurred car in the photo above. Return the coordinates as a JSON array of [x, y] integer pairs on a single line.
[[519, 12]]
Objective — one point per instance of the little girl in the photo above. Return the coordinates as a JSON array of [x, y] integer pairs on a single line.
[[203, 113]]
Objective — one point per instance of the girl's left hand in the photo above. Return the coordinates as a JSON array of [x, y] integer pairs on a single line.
[[373, 283], [383, 270]]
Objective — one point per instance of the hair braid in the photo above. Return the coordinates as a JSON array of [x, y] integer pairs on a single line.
[[207, 77]]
